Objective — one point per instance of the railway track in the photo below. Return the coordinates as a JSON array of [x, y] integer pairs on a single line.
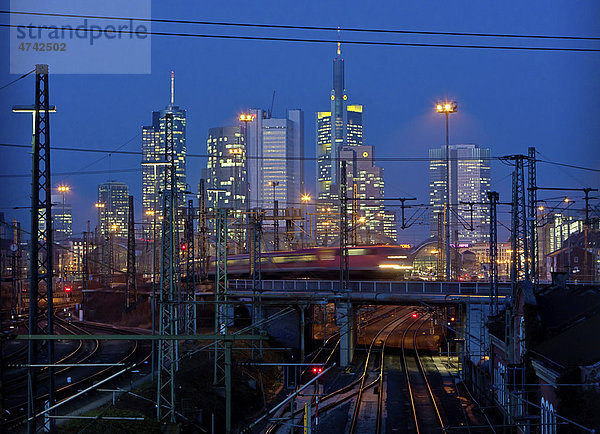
[[80, 377], [358, 423], [425, 409], [340, 396]]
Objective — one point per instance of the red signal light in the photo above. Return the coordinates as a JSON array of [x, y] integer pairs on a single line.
[[183, 247], [415, 315], [317, 369], [67, 289]]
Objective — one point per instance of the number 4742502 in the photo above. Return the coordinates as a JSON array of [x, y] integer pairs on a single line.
[[40, 46]]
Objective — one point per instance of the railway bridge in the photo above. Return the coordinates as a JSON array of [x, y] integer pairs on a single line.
[[472, 298]]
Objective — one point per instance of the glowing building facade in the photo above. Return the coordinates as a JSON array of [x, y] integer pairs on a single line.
[[340, 136], [62, 218], [153, 162], [113, 198], [469, 183], [275, 156]]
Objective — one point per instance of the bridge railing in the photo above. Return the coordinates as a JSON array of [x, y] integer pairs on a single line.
[[366, 286]]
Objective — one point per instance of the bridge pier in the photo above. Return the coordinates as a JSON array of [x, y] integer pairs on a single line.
[[344, 315]]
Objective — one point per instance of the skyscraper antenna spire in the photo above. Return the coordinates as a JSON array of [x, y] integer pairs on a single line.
[[172, 88], [339, 50]]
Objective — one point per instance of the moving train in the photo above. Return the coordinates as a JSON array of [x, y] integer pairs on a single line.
[[364, 263]]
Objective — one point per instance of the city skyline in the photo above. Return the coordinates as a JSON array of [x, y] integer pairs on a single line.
[[327, 186], [407, 130]]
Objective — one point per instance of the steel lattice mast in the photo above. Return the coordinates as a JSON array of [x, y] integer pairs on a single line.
[[203, 245], [520, 250], [344, 270], [167, 348], [221, 308], [256, 259], [190, 276], [41, 263], [532, 217], [493, 197], [131, 290]]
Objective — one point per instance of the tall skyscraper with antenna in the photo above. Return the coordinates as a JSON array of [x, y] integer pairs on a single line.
[[153, 160], [340, 136]]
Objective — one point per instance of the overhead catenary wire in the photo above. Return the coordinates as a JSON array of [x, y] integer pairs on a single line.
[[17, 79], [305, 27], [299, 27], [318, 40], [289, 158]]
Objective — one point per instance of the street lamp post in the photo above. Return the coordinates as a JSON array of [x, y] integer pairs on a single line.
[[447, 107], [305, 199], [63, 189], [245, 118], [103, 222], [274, 184], [236, 152]]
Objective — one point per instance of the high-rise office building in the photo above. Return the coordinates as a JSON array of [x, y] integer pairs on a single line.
[[354, 125], [153, 162], [225, 174], [275, 159], [226, 178], [62, 218], [340, 136], [113, 208], [366, 188], [469, 185]]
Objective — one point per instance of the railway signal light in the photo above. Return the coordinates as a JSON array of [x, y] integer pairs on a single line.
[[67, 289], [317, 369], [415, 315], [183, 247]]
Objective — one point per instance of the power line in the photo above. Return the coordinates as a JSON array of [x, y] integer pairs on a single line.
[[288, 158], [17, 79], [324, 28], [318, 41], [572, 166], [381, 159], [87, 172]]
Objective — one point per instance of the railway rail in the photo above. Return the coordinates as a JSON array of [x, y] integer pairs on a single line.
[[87, 375], [425, 410]]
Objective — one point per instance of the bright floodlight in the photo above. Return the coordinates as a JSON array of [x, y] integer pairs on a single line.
[[246, 117], [99, 205], [63, 188], [446, 107], [305, 198]]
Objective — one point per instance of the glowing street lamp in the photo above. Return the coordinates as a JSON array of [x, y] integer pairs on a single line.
[[447, 107], [246, 117], [305, 198]]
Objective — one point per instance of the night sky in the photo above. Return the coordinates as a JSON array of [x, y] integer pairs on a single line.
[[508, 100]]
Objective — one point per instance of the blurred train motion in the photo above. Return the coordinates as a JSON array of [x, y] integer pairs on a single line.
[[365, 263]]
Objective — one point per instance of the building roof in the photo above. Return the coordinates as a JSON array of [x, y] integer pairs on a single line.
[[559, 307], [576, 346]]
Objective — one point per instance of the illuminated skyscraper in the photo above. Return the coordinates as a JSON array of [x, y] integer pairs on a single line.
[[227, 180], [340, 136], [469, 182], [275, 155], [338, 104], [62, 218], [354, 125], [112, 214], [153, 161], [366, 188], [226, 176]]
